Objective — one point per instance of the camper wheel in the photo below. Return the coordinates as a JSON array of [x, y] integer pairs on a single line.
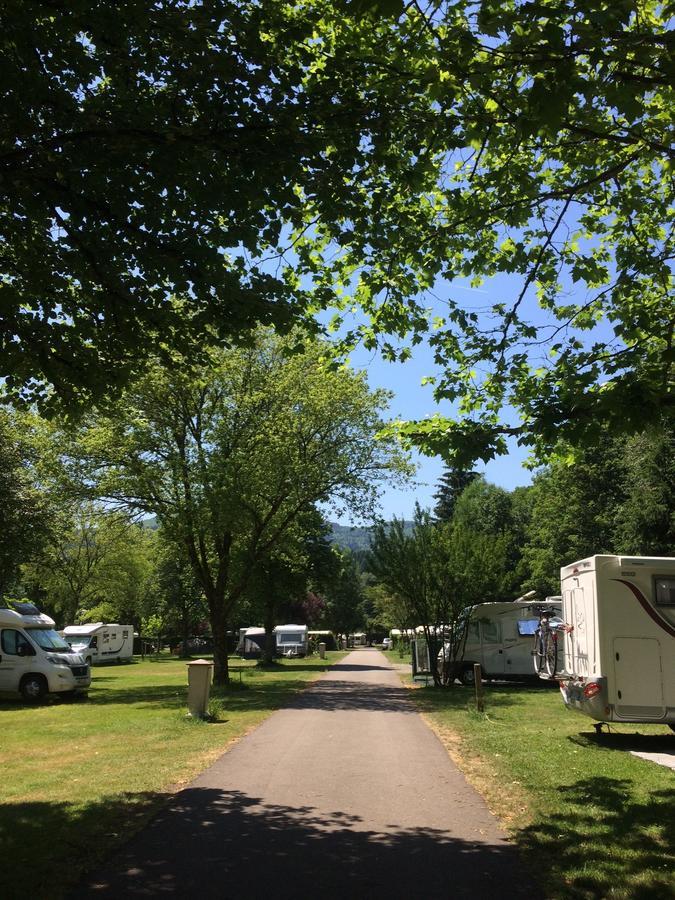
[[466, 676], [33, 688]]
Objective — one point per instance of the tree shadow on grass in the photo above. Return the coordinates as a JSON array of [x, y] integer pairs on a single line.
[[607, 842], [47, 846], [626, 743], [213, 843]]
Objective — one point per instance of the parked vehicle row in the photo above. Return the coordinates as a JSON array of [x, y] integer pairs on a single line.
[[289, 641], [608, 639]]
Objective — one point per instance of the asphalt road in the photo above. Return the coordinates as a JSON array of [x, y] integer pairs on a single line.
[[347, 793]]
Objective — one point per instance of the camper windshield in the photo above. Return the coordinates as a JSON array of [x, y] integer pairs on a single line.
[[49, 639], [293, 637], [82, 640]]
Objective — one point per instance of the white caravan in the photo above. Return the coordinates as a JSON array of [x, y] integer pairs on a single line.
[[34, 658], [292, 640], [620, 638], [500, 637], [100, 643]]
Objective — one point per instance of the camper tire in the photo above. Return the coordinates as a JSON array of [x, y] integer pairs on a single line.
[[33, 688], [467, 677]]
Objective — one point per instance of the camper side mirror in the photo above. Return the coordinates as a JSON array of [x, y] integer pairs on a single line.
[[24, 650]]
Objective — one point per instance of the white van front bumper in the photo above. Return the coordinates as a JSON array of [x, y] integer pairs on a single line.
[[71, 677]]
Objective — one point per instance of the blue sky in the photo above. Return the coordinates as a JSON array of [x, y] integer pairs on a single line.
[[412, 400]]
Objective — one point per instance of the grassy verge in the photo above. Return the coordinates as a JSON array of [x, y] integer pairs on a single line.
[[80, 777], [596, 820]]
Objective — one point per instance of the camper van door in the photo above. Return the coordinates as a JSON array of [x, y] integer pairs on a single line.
[[492, 647], [16, 656]]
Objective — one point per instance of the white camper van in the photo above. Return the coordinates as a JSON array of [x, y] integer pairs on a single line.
[[620, 638], [100, 643], [500, 637], [34, 658], [292, 640]]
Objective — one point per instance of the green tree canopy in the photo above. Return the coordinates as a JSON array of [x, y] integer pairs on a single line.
[[435, 572], [95, 566], [231, 460], [173, 172], [617, 498], [26, 515]]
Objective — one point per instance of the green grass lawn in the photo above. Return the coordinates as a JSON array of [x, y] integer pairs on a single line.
[[591, 819], [79, 777]]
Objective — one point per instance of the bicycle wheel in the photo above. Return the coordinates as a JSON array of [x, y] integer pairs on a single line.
[[550, 660], [538, 652]]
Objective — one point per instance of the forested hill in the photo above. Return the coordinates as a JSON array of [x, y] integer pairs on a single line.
[[354, 537]]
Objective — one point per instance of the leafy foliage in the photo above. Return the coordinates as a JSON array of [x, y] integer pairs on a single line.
[[619, 498], [25, 512], [95, 566], [174, 175], [345, 596], [450, 486], [231, 461]]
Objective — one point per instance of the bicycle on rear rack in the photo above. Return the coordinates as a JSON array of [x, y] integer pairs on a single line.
[[546, 638]]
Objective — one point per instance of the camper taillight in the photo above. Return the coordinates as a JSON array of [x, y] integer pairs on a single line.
[[592, 690]]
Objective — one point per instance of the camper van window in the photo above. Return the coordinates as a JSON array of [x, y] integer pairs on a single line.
[[474, 632], [49, 639], [491, 632], [12, 641], [665, 591], [290, 638]]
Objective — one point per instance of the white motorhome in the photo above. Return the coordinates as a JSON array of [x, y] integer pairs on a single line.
[[500, 636], [619, 613], [101, 643], [34, 658], [292, 640]]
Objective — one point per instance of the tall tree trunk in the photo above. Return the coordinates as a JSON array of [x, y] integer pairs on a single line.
[[184, 652], [221, 672], [270, 641]]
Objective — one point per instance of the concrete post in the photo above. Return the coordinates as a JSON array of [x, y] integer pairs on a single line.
[[200, 673], [322, 651], [478, 682]]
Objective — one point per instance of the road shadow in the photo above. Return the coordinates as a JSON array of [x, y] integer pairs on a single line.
[[331, 696], [598, 813], [224, 844]]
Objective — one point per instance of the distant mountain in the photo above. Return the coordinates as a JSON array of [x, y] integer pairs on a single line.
[[355, 537]]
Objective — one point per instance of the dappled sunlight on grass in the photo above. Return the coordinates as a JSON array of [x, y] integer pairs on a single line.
[[80, 773], [599, 821]]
